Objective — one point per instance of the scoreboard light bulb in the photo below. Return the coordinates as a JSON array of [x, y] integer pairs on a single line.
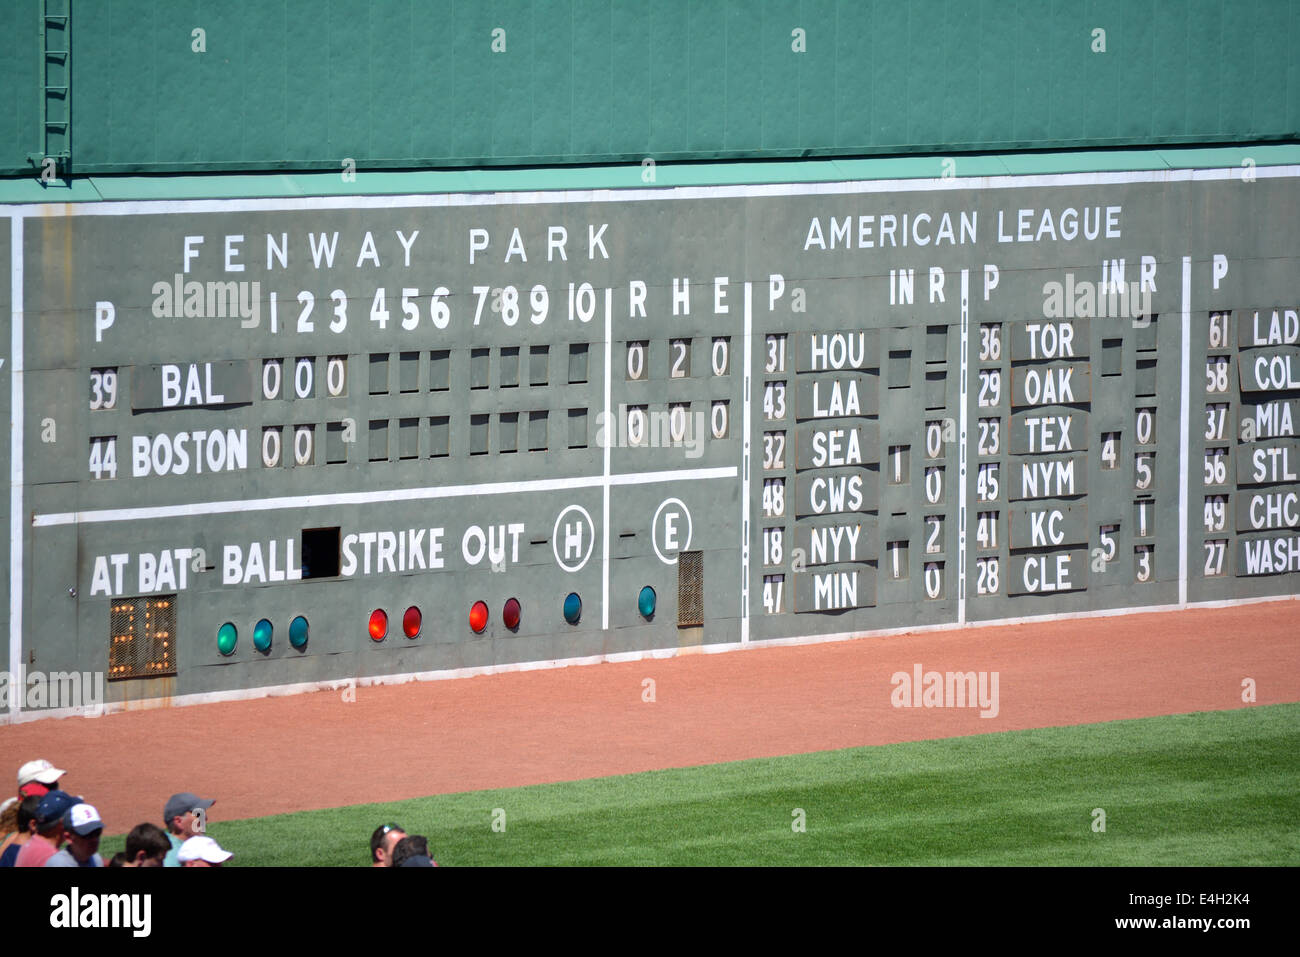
[[478, 617], [411, 622], [378, 624], [511, 613], [573, 608], [298, 632], [227, 638], [262, 636], [645, 602]]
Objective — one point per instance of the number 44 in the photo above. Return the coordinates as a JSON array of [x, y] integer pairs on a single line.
[[103, 457]]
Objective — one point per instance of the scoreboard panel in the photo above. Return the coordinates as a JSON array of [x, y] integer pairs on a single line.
[[292, 442], [8, 388]]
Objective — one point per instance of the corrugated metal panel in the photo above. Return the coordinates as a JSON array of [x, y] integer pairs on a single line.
[[413, 83], [19, 78]]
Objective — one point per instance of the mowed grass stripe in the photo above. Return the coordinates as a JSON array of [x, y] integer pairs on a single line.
[[1199, 789]]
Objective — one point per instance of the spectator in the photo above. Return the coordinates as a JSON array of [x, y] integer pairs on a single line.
[[47, 840], [38, 777], [26, 828], [9, 816], [413, 851], [120, 859], [146, 846], [84, 828], [382, 843], [202, 852], [183, 823]]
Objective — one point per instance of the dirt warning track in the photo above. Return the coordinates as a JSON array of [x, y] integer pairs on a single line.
[[317, 750]]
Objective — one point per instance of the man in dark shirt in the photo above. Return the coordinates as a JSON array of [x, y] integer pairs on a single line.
[[413, 851]]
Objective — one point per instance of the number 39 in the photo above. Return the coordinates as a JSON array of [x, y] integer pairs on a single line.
[[103, 389]]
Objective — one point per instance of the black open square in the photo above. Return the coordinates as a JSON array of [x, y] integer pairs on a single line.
[[320, 552]]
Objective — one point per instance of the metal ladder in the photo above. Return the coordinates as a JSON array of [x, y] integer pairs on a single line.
[[56, 96]]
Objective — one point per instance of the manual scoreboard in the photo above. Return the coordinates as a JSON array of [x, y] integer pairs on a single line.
[[291, 442]]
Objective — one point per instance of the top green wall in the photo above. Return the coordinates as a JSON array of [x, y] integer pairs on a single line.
[[306, 84]]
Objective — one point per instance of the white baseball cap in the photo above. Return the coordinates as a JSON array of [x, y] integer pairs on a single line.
[[202, 848], [39, 770], [83, 819]]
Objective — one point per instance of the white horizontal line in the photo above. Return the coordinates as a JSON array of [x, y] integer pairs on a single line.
[[365, 498], [671, 475], [978, 623]]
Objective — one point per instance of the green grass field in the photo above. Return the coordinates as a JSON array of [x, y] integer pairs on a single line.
[[1214, 788]]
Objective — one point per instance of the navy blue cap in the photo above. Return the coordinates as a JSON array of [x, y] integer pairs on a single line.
[[53, 806]]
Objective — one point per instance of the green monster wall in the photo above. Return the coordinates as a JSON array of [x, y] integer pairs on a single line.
[[291, 84]]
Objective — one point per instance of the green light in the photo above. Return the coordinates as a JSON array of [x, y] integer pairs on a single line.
[[645, 602], [298, 632], [572, 608], [262, 636], [227, 637]]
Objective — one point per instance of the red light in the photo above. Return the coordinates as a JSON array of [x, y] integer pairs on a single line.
[[378, 624], [510, 614], [411, 622], [478, 616]]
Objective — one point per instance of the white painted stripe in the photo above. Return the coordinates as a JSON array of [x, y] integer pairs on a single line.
[[963, 451], [608, 426], [1184, 430], [673, 475], [1000, 622], [235, 506], [744, 463], [16, 413], [583, 196], [655, 654]]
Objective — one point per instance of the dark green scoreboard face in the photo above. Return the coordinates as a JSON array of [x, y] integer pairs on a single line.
[[286, 442]]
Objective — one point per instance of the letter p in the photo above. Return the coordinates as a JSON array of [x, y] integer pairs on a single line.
[[990, 279], [1220, 268], [105, 314], [775, 289], [478, 241]]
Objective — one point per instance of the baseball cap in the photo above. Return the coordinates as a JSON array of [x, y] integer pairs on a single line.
[[38, 777], [178, 804], [203, 848], [83, 819], [53, 806]]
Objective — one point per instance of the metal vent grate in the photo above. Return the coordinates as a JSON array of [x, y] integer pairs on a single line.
[[690, 589], [142, 637]]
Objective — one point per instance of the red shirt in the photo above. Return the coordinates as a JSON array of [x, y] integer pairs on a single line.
[[36, 852]]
